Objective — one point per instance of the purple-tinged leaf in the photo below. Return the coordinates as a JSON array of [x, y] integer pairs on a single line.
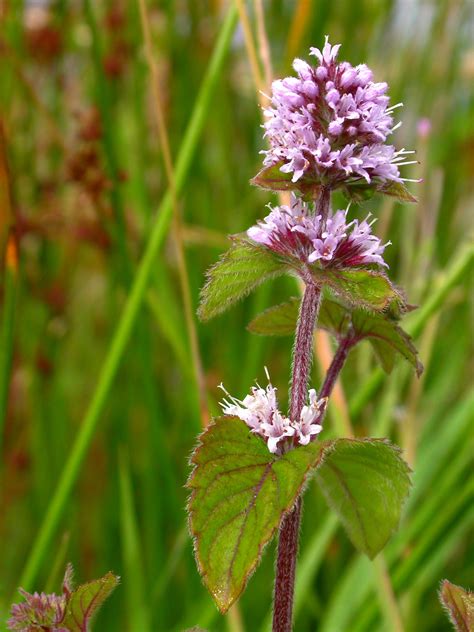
[[276, 180], [397, 190], [84, 602], [240, 492], [379, 328], [459, 604]]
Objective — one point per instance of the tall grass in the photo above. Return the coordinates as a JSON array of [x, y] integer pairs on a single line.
[[98, 366]]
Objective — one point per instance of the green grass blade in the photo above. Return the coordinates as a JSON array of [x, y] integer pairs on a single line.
[[134, 582], [130, 312]]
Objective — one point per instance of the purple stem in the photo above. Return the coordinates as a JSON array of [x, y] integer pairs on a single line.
[[336, 365], [290, 526]]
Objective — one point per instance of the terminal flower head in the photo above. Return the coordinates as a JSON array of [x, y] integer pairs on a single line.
[[330, 123], [259, 411], [39, 611], [295, 231]]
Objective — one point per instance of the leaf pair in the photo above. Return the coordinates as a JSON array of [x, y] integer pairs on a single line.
[[276, 180], [384, 334], [246, 265], [240, 492]]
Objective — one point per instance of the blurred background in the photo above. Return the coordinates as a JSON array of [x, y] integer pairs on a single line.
[[96, 426]]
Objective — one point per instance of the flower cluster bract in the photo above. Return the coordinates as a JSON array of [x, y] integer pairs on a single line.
[[39, 611], [331, 122], [260, 412], [295, 231]]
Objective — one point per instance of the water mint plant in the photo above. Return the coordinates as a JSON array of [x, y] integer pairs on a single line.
[[71, 611], [327, 129]]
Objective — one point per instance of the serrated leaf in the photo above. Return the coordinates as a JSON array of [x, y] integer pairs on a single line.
[[279, 320], [240, 492], [459, 604], [365, 481], [272, 178], [84, 602], [397, 190], [361, 191], [362, 288], [276, 180], [385, 335], [358, 192], [240, 270], [387, 339]]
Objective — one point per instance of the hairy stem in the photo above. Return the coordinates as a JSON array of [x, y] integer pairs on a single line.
[[336, 366], [290, 526]]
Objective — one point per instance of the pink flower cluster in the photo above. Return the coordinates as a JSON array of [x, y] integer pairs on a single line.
[[259, 411], [330, 123], [38, 612], [295, 232]]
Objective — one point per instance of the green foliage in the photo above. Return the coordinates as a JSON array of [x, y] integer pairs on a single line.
[[151, 406], [86, 600], [362, 191], [459, 604], [362, 288], [384, 334], [279, 320], [240, 491], [274, 179], [365, 481], [240, 270]]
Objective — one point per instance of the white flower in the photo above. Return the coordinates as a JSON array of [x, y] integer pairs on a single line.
[[259, 410]]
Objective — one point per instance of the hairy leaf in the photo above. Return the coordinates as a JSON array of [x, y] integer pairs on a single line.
[[240, 270], [385, 335], [362, 288], [397, 190], [84, 602], [361, 191], [387, 339], [240, 491], [459, 604], [279, 320], [276, 180], [365, 481]]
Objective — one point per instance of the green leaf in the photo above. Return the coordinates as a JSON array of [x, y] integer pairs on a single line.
[[358, 192], [240, 492], [272, 178], [387, 339], [385, 335], [276, 180], [459, 604], [240, 270], [84, 602], [361, 191], [365, 481], [369, 289], [279, 320], [397, 190]]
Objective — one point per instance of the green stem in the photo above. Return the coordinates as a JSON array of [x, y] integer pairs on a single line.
[[131, 309]]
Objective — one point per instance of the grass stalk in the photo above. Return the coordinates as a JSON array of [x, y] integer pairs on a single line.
[[176, 224], [131, 309]]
